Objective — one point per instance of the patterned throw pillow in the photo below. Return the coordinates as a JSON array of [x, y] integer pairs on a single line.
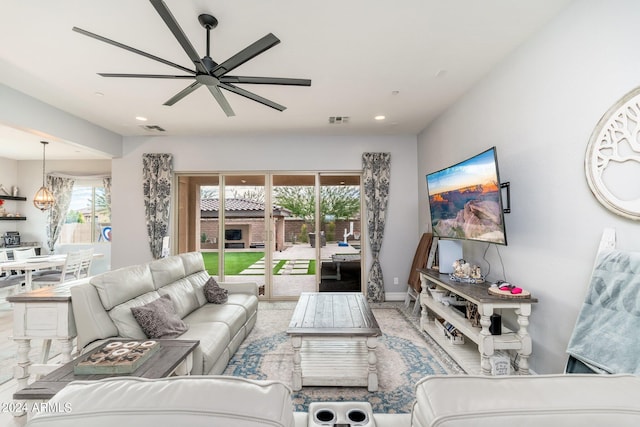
[[214, 293], [158, 319]]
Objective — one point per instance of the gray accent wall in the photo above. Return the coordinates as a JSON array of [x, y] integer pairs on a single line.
[[539, 108]]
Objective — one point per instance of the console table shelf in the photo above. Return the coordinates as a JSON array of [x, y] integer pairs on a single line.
[[481, 340]]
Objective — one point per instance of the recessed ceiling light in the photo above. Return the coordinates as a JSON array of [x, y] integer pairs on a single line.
[[98, 94], [140, 118], [441, 73], [380, 117]]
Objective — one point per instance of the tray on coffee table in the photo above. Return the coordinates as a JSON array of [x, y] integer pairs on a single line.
[[162, 363]]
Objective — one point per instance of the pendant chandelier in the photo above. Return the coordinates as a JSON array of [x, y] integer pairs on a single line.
[[43, 199]]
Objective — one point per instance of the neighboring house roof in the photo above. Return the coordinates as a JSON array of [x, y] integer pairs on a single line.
[[239, 208]]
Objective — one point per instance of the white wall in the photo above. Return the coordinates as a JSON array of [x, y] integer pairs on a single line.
[[23, 112], [539, 108], [306, 153]]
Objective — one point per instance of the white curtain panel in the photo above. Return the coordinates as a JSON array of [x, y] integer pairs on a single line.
[[376, 168]]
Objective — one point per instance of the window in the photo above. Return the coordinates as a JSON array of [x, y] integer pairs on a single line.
[[89, 216]]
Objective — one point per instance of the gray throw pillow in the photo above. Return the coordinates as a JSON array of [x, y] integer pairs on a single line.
[[214, 293], [158, 319]]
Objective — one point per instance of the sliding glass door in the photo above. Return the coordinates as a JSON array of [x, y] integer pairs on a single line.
[[293, 215], [290, 232]]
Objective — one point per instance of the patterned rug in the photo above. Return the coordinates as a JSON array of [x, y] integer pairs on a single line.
[[405, 354]]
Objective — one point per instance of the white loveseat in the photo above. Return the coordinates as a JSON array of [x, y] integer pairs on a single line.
[[102, 307], [443, 401]]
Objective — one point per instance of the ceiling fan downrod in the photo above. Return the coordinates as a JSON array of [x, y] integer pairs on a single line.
[[208, 22]]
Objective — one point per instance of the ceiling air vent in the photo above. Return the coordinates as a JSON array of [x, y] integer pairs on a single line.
[[153, 128], [338, 120]]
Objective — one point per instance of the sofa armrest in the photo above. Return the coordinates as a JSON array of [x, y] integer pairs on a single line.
[[240, 287], [92, 321]]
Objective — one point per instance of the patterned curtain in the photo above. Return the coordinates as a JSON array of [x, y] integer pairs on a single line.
[[157, 172], [106, 183], [61, 189], [376, 170]]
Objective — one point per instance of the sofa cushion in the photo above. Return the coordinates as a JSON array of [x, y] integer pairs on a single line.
[[122, 316], [193, 263], [121, 285], [214, 293], [194, 401], [231, 315], [198, 281], [536, 400], [166, 270], [158, 319], [183, 296], [247, 301], [214, 338]]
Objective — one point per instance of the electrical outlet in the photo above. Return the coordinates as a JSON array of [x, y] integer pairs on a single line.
[[395, 281]]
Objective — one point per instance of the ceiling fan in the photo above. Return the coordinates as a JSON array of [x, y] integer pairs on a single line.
[[207, 72]]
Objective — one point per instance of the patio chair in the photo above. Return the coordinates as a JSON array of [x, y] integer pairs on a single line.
[[69, 271]]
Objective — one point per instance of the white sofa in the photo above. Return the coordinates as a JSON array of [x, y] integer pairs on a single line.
[[102, 308], [443, 401]]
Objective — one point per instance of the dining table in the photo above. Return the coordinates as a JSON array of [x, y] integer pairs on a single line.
[[35, 263]]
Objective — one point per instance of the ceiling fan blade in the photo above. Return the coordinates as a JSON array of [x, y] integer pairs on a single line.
[[146, 76], [246, 54], [131, 49], [171, 22], [266, 80], [252, 96], [184, 92], [217, 94]]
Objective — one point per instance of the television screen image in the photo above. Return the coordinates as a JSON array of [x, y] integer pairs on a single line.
[[465, 200]]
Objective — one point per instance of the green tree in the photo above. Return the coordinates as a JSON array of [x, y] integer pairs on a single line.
[[74, 217], [341, 202], [255, 194]]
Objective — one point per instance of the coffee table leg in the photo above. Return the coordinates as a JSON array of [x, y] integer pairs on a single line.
[[372, 359], [296, 376]]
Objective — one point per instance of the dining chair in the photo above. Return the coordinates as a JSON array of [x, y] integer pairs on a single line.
[[85, 265], [69, 271], [7, 279], [23, 254]]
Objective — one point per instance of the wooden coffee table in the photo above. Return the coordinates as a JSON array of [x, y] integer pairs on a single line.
[[334, 338], [161, 364]]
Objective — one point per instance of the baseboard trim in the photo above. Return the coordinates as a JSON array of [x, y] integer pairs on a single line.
[[394, 296]]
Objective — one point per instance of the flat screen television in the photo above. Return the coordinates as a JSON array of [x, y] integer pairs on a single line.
[[465, 200], [233, 234]]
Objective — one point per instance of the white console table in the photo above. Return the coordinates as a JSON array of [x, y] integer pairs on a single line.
[[487, 344], [44, 314]]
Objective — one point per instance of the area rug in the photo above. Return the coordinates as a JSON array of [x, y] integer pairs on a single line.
[[404, 353]]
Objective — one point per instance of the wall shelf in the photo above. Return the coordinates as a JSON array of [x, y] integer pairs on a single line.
[[19, 198], [13, 218]]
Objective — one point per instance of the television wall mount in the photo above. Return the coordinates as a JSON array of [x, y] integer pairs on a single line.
[[507, 185]]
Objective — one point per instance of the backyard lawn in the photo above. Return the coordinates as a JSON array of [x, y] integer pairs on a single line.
[[235, 262]]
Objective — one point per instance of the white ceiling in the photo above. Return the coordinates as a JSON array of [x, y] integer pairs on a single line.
[[405, 59]]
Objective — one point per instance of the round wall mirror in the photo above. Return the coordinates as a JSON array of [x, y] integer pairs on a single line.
[[612, 162]]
